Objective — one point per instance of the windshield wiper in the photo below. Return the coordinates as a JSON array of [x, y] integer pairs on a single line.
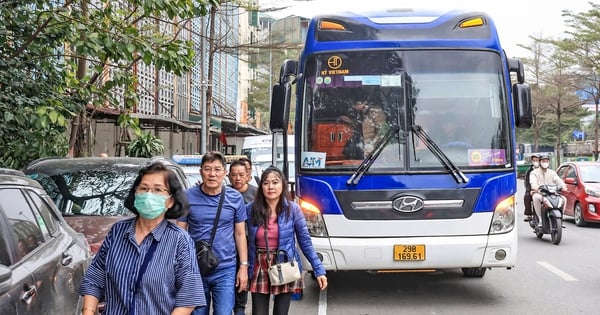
[[368, 161], [458, 175]]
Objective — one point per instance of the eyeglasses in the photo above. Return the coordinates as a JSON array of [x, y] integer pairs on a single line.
[[155, 190], [210, 169]]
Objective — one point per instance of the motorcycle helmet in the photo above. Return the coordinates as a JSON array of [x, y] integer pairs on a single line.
[[544, 160]]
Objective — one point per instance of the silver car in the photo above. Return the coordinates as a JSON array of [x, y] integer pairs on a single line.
[[42, 259]]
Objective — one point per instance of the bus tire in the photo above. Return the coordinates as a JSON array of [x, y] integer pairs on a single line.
[[474, 272]]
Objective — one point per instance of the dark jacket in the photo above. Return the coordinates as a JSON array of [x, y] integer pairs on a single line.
[[290, 229], [527, 183]]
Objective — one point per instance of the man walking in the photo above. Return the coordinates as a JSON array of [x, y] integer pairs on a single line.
[[230, 234], [238, 177]]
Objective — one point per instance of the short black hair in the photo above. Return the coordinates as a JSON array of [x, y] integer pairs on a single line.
[[245, 160], [238, 162], [213, 156], [181, 206]]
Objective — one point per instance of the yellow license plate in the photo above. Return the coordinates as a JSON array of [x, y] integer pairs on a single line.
[[409, 252]]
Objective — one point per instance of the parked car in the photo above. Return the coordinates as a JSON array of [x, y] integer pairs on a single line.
[[42, 259], [583, 191], [89, 192]]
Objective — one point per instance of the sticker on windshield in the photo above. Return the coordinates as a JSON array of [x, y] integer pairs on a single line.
[[313, 159], [486, 157]]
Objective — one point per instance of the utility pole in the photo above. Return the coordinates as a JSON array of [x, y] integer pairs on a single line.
[[205, 119]]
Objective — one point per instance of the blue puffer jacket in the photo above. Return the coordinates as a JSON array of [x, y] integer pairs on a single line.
[[295, 225]]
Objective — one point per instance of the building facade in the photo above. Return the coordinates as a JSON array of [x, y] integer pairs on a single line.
[[171, 107]]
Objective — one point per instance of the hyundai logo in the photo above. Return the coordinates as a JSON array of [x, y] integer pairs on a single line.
[[408, 204]]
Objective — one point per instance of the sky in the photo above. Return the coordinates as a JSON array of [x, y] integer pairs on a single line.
[[516, 20]]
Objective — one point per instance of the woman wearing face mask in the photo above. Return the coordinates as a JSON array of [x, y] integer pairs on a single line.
[[146, 264]]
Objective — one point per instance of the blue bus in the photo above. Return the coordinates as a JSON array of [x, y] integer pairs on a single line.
[[405, 140]]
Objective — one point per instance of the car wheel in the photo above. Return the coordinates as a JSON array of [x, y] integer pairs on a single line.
[[577, 214]]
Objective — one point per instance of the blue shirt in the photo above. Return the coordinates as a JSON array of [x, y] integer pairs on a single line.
[[172, 278], [200, 219]]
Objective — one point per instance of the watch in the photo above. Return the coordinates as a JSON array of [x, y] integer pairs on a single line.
[[244, 263]]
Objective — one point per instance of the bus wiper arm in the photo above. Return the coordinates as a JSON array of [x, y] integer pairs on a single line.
[[458, 175], [365, 165]]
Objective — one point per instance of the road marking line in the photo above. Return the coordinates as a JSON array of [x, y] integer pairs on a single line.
[[322, 303], [556, 271]]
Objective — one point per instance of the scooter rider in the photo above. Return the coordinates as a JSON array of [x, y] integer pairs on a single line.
[[543, 175], [535, 163]]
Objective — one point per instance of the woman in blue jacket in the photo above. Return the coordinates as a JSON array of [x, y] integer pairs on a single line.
[[275, 222]]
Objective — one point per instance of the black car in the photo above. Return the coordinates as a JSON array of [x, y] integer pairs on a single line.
[[89, 191], [42, 259]]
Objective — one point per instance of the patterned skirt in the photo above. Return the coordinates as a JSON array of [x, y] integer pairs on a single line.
[[259, 283]]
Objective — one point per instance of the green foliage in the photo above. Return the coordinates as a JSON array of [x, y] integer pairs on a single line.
[[34, 104], [55, 59], [145, 145], [258, 97]]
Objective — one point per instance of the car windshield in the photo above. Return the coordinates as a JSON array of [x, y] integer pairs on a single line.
[[90, 192], [590, 174]]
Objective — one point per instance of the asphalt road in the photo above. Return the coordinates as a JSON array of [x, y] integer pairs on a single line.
[[548, 279]]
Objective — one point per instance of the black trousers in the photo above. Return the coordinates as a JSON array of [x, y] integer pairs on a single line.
[[281, 303], [527, 199], [241, 299]]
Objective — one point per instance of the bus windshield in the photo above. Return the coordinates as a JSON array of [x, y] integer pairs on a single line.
[[352, 99]]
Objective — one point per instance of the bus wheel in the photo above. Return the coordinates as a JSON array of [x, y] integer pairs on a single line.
[[474, 272]]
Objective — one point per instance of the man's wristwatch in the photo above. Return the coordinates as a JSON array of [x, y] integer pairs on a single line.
[[244, 263]]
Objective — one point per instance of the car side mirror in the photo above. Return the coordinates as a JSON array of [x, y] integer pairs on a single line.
[[570, 181], [5, 273]]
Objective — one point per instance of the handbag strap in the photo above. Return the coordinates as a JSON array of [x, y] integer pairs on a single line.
[[267, 245], [147, 258], [215, 223]]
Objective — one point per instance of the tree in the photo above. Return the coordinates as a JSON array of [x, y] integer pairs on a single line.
[[556, 108], [258, 50], [60, 60], [34, 102], [583, 44]]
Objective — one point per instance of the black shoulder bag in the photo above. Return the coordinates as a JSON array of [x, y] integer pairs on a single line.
[[207, 260]]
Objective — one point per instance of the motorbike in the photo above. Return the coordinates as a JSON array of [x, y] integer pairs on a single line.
[[553, 204]]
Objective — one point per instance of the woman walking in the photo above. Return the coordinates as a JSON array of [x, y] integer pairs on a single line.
[[274, 223]]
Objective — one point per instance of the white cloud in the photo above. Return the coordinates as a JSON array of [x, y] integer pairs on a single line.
[[516, 20]]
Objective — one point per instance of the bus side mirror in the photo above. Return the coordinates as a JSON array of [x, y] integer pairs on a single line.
[[515, 65], [280, 107], [289, 69], [521, 96]]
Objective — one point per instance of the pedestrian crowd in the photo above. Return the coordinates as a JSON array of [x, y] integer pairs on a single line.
[[151, 263]]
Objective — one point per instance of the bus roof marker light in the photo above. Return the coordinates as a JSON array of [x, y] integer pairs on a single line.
[[472, 22], [331, 26]]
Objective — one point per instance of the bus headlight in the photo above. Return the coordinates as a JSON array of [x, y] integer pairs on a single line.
[[503, 220], [314, 219]]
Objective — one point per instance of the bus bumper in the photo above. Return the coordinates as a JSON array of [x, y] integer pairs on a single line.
[[479, 251]]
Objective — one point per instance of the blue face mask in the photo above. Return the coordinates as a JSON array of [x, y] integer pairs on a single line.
[[150, 206]]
